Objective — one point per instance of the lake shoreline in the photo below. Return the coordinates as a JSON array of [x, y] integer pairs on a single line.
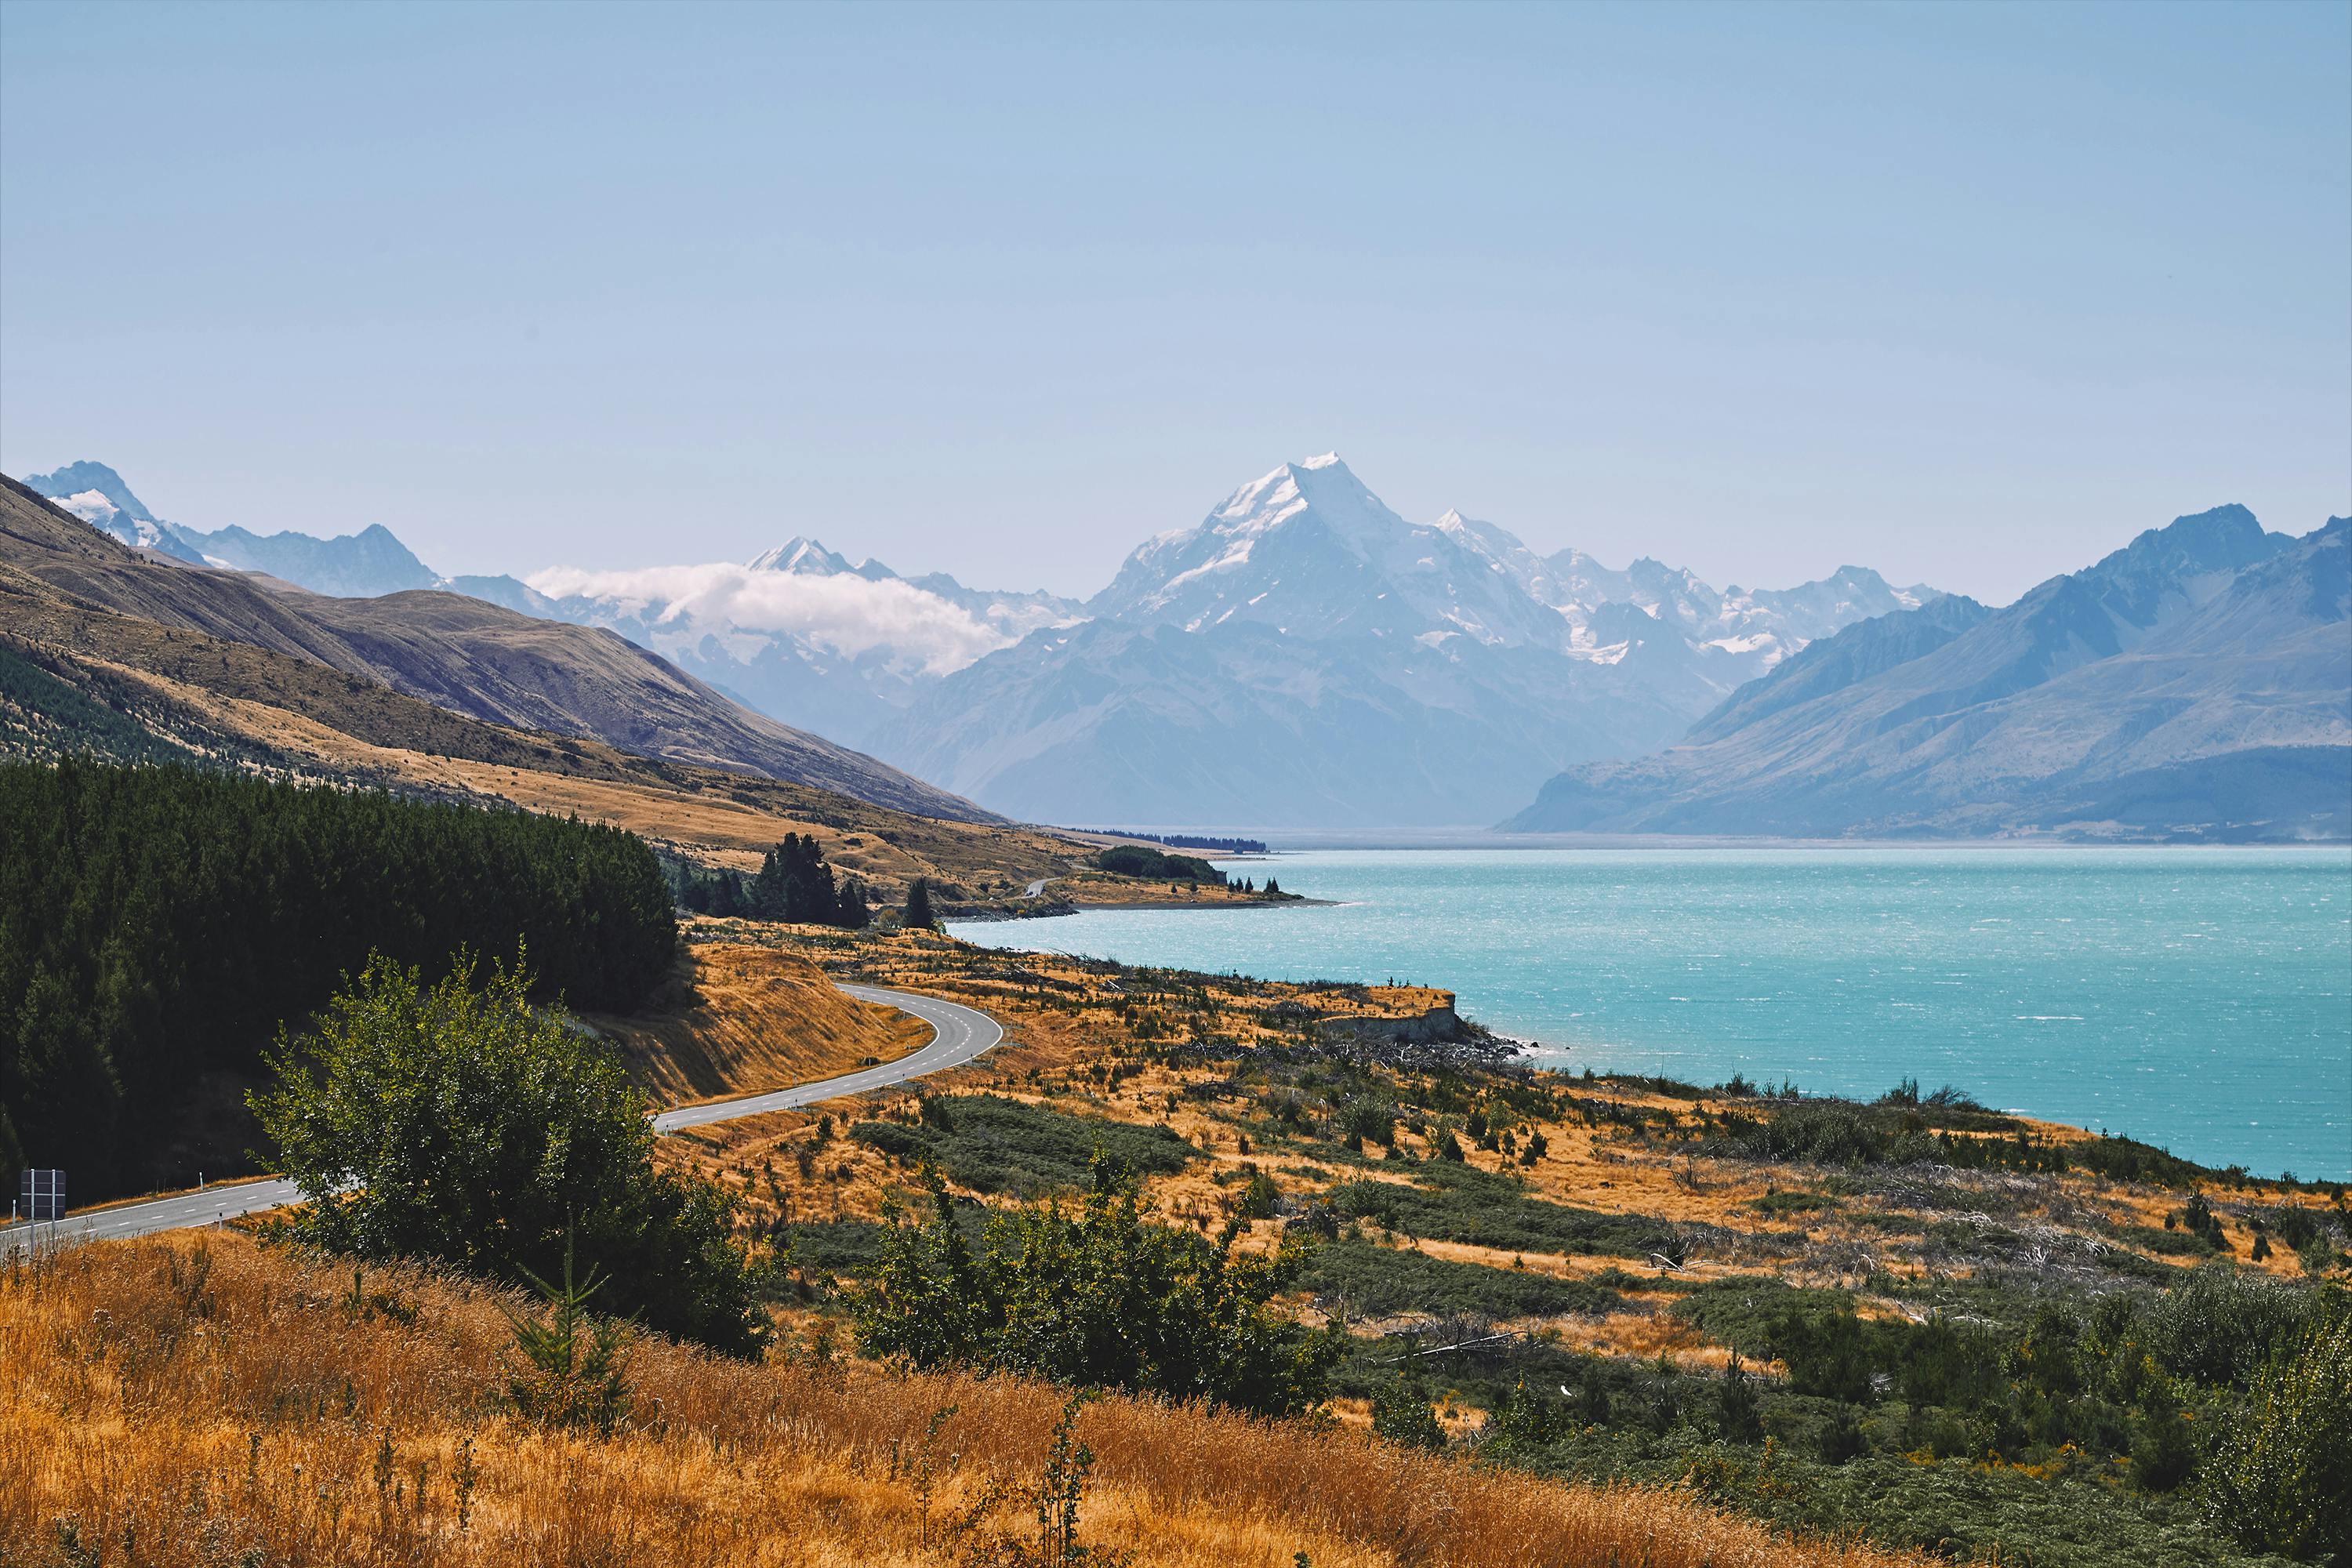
[[1063, 911], [2086, 988]]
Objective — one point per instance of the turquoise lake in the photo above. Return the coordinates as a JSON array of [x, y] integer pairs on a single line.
[[2198, 998]]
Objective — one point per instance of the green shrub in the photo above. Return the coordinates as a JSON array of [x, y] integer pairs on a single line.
[[1527, 1418], [2219, 1326], [1792, 1203], [1259, 1198], [570, 1377], [1382, 1279], [1402, 1414], [1461, 1203], [1369, 1119], [2165, 1454], [1736, 1406], [992, 1144], [1099, 1298]]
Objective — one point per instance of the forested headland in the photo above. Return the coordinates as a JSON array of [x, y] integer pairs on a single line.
[[157, 924]]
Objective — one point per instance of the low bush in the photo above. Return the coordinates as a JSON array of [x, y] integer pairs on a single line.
[[1402, 1414], [1100, 1297], [1457, 1201], [992, 1144], [2282, 1478], [1384, 1280]]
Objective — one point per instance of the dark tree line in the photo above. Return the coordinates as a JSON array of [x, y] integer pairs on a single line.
[[1134, 860], [1194, 841], [159, 924], [793, 884]]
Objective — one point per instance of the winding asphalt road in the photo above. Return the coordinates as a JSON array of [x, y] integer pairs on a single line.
[[958, 1035]]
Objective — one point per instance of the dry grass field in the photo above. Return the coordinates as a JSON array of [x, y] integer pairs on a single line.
[[204, 1400]]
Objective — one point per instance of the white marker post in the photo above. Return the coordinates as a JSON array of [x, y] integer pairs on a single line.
[[44, 1195]]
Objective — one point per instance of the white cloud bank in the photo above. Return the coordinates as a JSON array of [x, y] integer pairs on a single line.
[[845, 614]]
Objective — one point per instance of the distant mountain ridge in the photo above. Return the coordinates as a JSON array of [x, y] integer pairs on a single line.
[[798, 629], [721, 623], [2196, 682], [361, 565], [455, 652]]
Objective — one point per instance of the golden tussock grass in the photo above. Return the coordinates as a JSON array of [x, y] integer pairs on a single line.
[[202, 1400]]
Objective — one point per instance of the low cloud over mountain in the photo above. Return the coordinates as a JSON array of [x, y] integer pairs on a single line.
[[845, 613]]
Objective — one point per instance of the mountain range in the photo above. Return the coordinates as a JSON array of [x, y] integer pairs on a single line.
[[1302, 656], [2196, 683]]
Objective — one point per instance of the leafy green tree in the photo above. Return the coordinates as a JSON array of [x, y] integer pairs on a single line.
[[460, 1123], [917, 915], [2280, 1477], [1099, 1298]]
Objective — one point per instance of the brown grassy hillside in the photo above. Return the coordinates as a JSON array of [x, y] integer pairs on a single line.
[[203, 1400], [282, 711], [454, 652]]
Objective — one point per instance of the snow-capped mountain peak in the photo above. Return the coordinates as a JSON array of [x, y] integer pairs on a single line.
[[96, 494], [1309, 549], [809, 557], [92, 508]]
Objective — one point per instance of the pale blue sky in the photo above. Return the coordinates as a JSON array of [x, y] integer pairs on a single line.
[[1966, 293]]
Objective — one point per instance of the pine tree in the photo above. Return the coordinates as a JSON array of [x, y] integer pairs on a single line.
[[917, 915]]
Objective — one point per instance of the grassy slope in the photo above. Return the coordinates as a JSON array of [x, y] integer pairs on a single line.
[[207, 1398], [458, 653]]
